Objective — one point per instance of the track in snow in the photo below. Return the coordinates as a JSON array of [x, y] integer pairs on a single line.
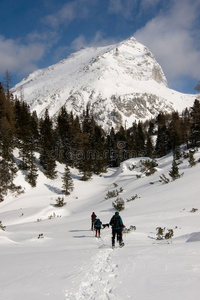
[[99, 278]]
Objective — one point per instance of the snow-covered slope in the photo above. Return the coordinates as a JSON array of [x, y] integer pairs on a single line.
[[121, 83], [69, 263]]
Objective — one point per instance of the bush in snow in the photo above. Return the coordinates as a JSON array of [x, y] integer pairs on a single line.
[[119, 204], [161, 235], [132, 198], [40, 236], [60, 202], [164, 178], [131, 228], [194, 210], [148, 167], [114, 193], [191, 158], [1, 226]]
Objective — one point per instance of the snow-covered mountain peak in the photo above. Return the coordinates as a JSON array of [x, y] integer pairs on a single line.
[[122, 83]]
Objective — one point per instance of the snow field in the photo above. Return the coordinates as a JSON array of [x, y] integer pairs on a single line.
[[68, 263]]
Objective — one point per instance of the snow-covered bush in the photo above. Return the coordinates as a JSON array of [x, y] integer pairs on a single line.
[[132, 198], [114, 193], [162, 235], [60, 202], [148, 167], [131, 228], [119, 204]]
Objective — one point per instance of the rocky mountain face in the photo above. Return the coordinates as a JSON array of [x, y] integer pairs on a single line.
[[120, 83]]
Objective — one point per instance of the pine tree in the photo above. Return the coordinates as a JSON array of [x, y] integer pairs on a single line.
[[47, 149], [32, 169], [191, 159], [174, 172], [195, 127], [111, 149], [68, 185], [8, 167], [149, 146]]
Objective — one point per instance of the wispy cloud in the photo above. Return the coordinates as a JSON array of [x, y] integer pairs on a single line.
[[70, 11], [173, 40], [18, 57], [82, 41], [122, 7]]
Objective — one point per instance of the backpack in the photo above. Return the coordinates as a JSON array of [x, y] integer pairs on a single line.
[[97, 223], [116, 222]]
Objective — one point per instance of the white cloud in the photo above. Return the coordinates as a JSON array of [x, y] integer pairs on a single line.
[[97, 41], [70, 11], [122, 7], [19, 58], [173, 39]]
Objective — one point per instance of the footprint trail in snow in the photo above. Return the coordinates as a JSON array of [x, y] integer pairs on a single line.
[[99, 278]]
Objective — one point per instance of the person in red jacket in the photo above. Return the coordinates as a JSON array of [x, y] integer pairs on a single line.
[[93, 219]]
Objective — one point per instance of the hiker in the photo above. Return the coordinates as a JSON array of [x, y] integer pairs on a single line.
[[117, 226], [93, 219], [97, 227]]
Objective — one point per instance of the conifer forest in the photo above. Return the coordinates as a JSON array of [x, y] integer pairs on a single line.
[[81, 143]]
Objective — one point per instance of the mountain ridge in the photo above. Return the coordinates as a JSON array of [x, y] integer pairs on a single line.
[[121, 83]]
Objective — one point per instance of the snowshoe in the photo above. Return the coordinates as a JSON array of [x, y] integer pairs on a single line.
[[121, 245]]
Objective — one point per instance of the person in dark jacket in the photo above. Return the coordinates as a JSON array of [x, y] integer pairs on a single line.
[[97, 227], [117, 226], [93, 219]]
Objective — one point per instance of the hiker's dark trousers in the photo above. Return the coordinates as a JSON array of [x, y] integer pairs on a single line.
[[118, 233]]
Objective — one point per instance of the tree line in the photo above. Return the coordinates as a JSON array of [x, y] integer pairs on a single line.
[[80, 142]]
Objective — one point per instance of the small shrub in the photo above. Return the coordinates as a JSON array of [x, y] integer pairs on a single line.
[[132, 198], [191, 158], [132, 167], [160, 233], [113, 194], [40, 236], [193, 210], [148, 167], [131, 228], [2, 227], [169, 234], [164, 179], [60, 202], [119, 204], [53, 216]]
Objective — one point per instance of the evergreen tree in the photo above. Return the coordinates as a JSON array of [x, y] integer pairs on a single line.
[[132, 140], [111, 149], [191, 159], [8, 167], [140, 141], [68, 185], [174, 172], [195, 126], [121, 145], [63, 137], [185, 126], [175, 134], [27, 134], [32, 169], [162, 143], [149, 146], [47, 150]]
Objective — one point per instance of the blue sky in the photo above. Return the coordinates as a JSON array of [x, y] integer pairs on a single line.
[[37, 34]]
